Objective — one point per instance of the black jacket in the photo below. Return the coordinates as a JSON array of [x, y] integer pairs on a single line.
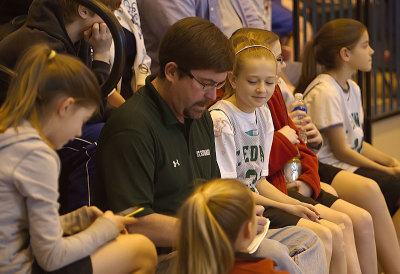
[[45, 24]]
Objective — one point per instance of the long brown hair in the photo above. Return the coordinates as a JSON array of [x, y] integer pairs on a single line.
[[324, 49], [42, 77], [210, 222]]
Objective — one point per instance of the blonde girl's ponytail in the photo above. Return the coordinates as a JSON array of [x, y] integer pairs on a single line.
[[42, 77], [210, 221], [309, 67]]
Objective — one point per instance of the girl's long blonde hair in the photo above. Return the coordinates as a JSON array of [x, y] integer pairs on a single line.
[[253, 49], [42, 76], [262, 35], [210, 221]]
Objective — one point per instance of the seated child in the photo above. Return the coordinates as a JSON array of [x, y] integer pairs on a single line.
[[217, 224], [243, 145], [48, 101], [334, 104]]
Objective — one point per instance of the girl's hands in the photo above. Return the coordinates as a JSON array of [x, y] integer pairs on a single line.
[[93, 212], [314, 138], [394, 170], [310, 207], [301, 187], [261, 220], [119, 221], [303, 211], [296, 114], [290, 134], [393, 162]]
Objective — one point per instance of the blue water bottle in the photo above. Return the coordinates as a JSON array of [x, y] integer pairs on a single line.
[[298, 97]]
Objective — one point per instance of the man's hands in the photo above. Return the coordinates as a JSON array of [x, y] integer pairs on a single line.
[[99, 38]]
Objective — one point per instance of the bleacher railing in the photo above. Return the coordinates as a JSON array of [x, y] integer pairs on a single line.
[[381, 86]]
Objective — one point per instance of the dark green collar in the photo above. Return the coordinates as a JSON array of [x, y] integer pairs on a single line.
[[166, 113]]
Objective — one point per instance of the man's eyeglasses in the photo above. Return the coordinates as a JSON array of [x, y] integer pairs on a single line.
[[205, 86]]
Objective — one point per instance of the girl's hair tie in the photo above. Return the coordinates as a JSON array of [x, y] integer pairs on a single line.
[[51, 56]]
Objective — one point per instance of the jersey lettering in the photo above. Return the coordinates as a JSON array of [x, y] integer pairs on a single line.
[[250, 174], [252, 155], [356, 118]]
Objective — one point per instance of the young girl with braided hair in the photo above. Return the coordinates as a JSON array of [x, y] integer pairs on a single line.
[[48, 101]]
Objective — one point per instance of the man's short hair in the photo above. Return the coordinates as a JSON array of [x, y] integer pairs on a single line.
[[70, 8], [195, 43]]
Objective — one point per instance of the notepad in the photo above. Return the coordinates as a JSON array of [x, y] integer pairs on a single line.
[[257, 240]]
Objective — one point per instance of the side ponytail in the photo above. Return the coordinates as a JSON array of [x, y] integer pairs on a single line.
[[42, 76], [210, 221], [309, 67]]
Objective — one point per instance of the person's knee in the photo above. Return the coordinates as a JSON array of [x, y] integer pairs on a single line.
[[144, 255], [337, 232], [371, 187], [343, 221], [363, 222], [325, 236], [272, 249]]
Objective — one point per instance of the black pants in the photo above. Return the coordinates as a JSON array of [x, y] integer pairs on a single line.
[[389, 185]]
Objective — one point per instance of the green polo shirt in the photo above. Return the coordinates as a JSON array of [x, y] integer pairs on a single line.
[[146, 157]]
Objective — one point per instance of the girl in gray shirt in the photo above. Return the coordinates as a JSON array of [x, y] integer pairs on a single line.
[[50, 98]]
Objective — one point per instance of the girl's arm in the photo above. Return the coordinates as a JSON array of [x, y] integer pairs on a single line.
[[75, 221], [378, 156], [341, 150], [39, 187], [270, 196]]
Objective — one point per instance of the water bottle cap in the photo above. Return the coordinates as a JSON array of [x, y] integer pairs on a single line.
[[298, 96]]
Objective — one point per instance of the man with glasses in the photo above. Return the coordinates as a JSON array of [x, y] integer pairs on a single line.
[[159, 145], [154, 147]]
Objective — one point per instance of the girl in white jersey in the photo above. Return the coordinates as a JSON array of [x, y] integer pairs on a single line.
[[48, 100], [244, 133], [340, 49]]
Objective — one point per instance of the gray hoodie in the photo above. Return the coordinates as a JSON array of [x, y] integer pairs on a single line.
[[30, 227]]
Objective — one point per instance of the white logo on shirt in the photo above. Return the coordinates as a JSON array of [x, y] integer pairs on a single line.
[[202, 153], [176, 163]]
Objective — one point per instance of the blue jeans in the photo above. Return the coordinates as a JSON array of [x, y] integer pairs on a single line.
[[297, 250], [294, 249]]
